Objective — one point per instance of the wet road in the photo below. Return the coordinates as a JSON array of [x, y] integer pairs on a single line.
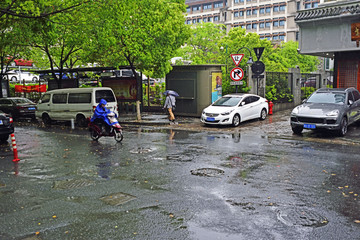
[[254, 182]]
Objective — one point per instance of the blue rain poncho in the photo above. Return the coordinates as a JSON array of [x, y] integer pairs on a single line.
[[101, 112]]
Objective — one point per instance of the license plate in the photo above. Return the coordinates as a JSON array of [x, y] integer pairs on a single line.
[[1, 122], [31, 108], [310, 126], [210, 119]]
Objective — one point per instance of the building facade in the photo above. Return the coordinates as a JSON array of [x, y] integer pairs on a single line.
[[271, 19], [333, 30]]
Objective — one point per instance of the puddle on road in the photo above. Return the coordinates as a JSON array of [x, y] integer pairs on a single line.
[[117, 199]]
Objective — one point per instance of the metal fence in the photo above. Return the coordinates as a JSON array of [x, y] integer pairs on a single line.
[[309, 82], [279, 86]]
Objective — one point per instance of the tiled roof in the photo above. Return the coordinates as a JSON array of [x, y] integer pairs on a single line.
[[329, 11]]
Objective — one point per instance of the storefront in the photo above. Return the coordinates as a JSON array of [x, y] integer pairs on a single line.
[[333, 31]]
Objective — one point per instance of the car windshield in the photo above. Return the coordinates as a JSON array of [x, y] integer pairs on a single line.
[[22, 100], [327, 97], [227, 101]]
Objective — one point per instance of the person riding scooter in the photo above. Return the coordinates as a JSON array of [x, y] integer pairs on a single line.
[[100, 116]]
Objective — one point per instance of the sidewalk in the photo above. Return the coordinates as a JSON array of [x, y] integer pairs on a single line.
[[149, 118]]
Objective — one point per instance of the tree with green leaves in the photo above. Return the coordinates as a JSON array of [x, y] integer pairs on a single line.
[[21, 22], [143, 34]]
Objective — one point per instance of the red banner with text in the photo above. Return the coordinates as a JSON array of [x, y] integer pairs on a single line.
[[28, 89]]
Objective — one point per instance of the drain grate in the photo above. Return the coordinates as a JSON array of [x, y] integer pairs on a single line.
[[207, 172], [302, 217], [73, 183], [117, 199]]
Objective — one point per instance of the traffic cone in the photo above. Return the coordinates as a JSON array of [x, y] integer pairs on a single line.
[[16, 159]]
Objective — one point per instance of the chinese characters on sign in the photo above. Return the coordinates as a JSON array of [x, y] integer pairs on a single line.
[[355, 33]]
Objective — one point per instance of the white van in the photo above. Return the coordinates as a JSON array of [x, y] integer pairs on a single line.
[[74, 103]]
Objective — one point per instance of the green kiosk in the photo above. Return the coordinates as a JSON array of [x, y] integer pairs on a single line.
[[197, 85]]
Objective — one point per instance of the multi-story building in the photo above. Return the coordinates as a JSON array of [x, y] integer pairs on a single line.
[[271, 19]]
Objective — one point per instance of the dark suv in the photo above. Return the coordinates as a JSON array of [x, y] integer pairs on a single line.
[[328, 108], [6, 127]]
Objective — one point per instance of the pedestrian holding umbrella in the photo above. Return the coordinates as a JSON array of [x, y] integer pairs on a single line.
[[170, 104]]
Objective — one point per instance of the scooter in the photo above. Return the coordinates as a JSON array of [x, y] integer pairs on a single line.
[[115, 131]]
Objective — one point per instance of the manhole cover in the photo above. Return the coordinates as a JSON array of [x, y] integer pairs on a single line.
[[207, 172], [117, 199], [73, 183], [302, 217], [141, 150]]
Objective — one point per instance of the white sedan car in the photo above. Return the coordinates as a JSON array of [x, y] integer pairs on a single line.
[[234, 109]]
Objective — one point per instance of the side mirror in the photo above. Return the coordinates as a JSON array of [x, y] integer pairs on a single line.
[[304, 101], [40, 101], [351, 102], [242, 104]]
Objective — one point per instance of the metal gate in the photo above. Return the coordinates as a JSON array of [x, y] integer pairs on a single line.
[[309, 82]]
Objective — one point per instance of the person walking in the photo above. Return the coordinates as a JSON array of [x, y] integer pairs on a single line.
[[169, 105]]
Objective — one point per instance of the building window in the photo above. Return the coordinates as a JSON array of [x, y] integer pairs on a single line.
[[267, 24], [248, 12], [262, 10], [204, 19], [275, 37], [315, 5], [194, 20], [268, 10], [248, 26], [218, 5], [254, 11], [196, 8], [241, 13], [199, 20], [262, 25], [254, 25], [282, 23], [275, 23], [216, 18], [188, 21], [188, 10], [298, 6], [307, 5], [236, 1], [207, 6], [282, 8], [236, 14], [276, 8], [282, 37]]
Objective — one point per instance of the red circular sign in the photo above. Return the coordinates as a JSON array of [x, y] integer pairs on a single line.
[[237, 74]]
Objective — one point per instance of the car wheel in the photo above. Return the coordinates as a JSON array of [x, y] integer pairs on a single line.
[[81, 121], [34, 79], [46, 119], [4, 138], [343, 127], [236, 120], [297, 130], [263, 114], [14, 79]]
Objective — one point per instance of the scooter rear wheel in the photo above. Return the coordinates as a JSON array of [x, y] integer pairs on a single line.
[[118, 136], [94, 135]]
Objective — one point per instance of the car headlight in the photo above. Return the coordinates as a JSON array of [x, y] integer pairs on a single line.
[[227, 113], [295, 111], [333, 113]]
